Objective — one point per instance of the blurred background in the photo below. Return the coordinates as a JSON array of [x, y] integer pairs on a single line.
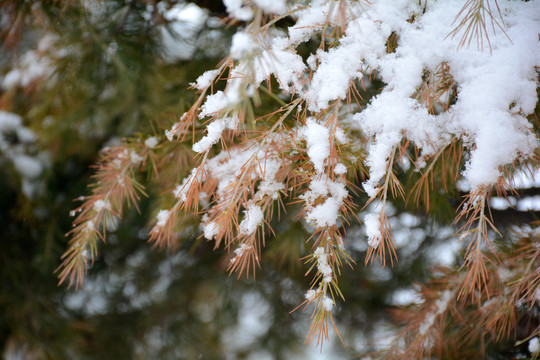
[[77, 76]]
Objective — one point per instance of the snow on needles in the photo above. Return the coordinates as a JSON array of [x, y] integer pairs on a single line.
[[400, 42], [325, 213], [214, 131], [496, 89], [373, 229], [242, 44], [272, 6], [162, 217], [317, 142], [205, 80], [254, 217], [237, 9]]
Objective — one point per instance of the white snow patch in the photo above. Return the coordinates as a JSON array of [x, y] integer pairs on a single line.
[[318, 143], [252, 219], [373, 230]]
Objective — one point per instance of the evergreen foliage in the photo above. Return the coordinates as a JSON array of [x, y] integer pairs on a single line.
[[315, 139]]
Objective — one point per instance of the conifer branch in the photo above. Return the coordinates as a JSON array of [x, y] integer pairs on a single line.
[[115, 185]]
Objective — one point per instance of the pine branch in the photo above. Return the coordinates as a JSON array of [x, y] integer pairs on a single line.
[[114, 186]]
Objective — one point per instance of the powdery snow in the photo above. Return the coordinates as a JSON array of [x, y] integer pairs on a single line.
[[272, 6], [326, 213], [214, 131], [205, 80], [318, 143], [29, 163], [534, 345], [237, 9], [340, 169], [282, 61], [496, 87], [240, 251], [373, 230], [252, 219], [29, 167], [327, 303], [496, 91], [310, 295], [211, 229], [162, 217], [340, 65], [100, 204], [322, 264], [242, 45], [488, 84], [151, 142]]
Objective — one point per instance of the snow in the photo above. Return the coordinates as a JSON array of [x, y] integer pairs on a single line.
[[340, 136], [236, 9], [100, 204], [27, 166], [404, 297], [495, 91], [252, 219], [317, 137], [267, 170], [322, 265], [243, 44], [270, 188], [226, 167], [340, 169], [90, 226], [205, 80], [135, 158], [184, 22], [272, 6], [531, 203], [151, 142], [310, 295], [162, 217], [313, 17], [373, 229], [326, 213], [181, 190], [282, 61], [488, 83], [214, 131], [240, 251], [28, 162], [33, 65], [175, 129], [211, 229], [327, 303], [216, 102], [377, 160], [534, 345], [342, 64]]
